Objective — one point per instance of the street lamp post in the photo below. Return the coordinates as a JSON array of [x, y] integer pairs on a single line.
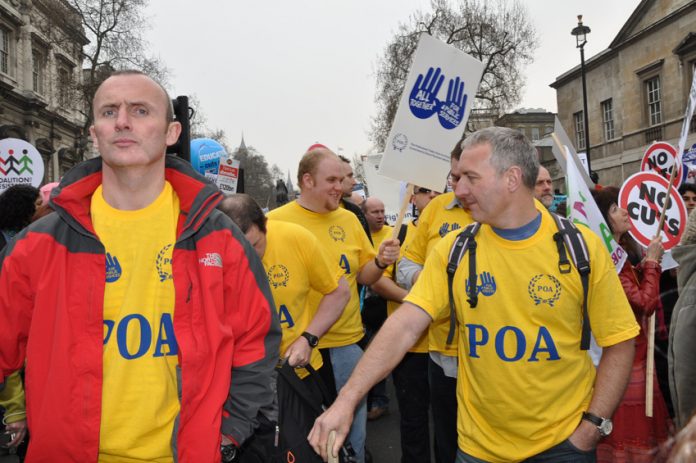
[[580, 32]]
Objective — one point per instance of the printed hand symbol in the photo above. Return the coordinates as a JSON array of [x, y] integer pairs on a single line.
[[423, 99], [487, 287], [113, 268], [451, 111]]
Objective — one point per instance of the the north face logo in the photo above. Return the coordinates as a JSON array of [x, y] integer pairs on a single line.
[[212, 259]]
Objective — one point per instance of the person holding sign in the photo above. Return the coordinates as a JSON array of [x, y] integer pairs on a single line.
[[635, 435], [445, 214], [525, 388]]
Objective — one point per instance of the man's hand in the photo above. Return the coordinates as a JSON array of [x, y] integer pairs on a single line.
[[298, 353], [388, 252], [585, 436], [19, 430], [337, 418]]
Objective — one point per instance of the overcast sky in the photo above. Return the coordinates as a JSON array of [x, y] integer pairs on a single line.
[[291, 73]]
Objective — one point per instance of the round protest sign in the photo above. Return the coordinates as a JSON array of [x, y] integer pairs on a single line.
[[660, 158], [206, 154], [644, 196], [20, 164]]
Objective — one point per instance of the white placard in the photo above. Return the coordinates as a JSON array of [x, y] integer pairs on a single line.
[[385, 189], [20, 164], [432, 114], [228, 174]]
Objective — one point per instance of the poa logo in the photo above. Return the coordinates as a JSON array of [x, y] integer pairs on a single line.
[[20, 164], [399, 142], [278, 275], [163, 262], [337, 233], [544, 289]]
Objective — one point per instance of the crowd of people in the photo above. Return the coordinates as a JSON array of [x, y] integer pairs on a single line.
[[147, 315]]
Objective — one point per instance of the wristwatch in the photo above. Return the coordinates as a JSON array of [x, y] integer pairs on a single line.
[[311, 339], [604, 425]]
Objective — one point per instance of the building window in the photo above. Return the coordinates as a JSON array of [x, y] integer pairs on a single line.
[[579, 118], [64, 86], [37, 74], [535, 133], [4, 50], [608, 119], [652, 86]]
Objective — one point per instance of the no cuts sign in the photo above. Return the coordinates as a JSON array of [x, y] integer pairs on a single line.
[[644, 196], [661, 157]]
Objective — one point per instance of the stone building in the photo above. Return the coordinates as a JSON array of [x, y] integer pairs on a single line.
[[40, 68], [636, 89]]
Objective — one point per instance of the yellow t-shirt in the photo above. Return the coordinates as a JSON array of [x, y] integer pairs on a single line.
[[523, 381], [384, 233], [436, 222], [344, 241], [421, 346], [139, 391], [295, 264]]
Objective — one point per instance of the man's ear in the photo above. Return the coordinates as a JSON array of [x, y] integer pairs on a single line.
[[513, 178], [307, 179], [173, 132]]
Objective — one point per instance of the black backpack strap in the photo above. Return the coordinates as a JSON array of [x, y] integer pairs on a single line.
[[464, 242], [569, 235], [301, 389]]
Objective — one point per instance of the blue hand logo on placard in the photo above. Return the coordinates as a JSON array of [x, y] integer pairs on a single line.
[[423, 99], [451, 110]]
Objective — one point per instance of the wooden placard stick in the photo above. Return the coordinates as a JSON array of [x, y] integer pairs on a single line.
[[402, 212]]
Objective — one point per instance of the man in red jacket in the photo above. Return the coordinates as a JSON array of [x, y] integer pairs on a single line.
[[145, 318]]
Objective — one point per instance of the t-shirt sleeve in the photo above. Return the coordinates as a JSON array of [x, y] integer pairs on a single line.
[[611, 318], [430, 291]]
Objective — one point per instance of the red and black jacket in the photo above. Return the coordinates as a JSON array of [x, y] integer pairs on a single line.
[[52, 280]]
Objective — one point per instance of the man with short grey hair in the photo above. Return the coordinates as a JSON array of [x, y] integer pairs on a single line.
[[526, 391]]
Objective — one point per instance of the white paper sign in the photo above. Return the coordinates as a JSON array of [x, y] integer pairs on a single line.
[[20, 164], [432, 114], [227, 176], [385, 189]]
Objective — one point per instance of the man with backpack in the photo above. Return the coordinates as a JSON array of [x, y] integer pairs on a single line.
[[526, 390]]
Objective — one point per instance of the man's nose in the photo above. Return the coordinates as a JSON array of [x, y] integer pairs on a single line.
[[123, 120]]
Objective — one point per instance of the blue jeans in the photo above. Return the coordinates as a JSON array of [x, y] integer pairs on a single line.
[[343, 360], [565, 452]]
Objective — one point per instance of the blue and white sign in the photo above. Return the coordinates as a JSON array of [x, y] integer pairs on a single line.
[[205, 156], [432, 114]]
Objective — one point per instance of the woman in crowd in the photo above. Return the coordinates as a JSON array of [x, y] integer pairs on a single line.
[[635, 437]]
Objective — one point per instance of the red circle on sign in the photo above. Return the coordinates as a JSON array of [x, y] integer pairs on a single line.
[[643, 196], [671, 155]]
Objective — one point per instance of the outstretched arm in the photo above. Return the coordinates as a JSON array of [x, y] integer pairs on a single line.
[[329, 310], [398, 334]]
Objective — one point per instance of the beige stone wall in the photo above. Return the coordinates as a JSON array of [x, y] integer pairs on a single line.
[[615, 75]]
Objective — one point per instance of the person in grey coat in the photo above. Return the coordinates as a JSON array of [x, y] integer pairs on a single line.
[[682, 333]]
